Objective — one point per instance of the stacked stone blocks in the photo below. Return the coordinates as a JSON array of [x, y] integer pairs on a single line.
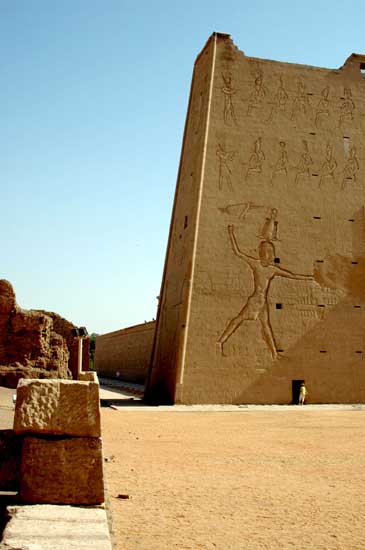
[[61, 459]]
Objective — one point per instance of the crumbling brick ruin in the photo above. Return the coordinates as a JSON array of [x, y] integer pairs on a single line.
[[34, 344], [264, 279]]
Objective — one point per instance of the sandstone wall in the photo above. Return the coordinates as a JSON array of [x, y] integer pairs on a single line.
[[127, 352], [276, 287]]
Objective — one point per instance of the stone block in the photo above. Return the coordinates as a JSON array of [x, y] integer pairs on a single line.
[[88, 376], [51, 527], [10, 449], [58, 407], [62, 471]]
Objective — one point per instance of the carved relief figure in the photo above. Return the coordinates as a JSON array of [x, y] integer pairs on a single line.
[[323, 107], [280, 100], [304, 164], [257, 95], [350, 168], [256, 159], [239, 209], [256, 307], [300, 101], [347, 107], [270, 228], [281, 166], [329, 166], [225, 172], [228, 93]]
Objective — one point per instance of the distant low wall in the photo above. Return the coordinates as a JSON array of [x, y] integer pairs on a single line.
[[126, 353]]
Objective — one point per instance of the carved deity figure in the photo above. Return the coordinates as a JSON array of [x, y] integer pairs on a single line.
[[257, 95], [225, 172], [228, 93], [280, 100], [300, 101], [305, 162], [281, 166], [256, 159], [347, 107], [323, 107], [329, 165], [350, 168], [256, 308]]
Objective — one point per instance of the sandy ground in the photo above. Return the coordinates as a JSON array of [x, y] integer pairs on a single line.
[[243, 480]]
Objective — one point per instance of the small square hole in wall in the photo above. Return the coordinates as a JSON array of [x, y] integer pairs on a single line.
[[279, 306], [362, 68], [277, 260]]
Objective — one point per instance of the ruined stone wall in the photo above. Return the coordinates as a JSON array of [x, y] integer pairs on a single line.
[[34, 344], [125, 354], [277, 291]]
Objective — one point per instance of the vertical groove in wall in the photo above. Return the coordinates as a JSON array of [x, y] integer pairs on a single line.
[[183, 354]]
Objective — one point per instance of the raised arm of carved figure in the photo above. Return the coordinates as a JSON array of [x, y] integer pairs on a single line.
[[249, 259]]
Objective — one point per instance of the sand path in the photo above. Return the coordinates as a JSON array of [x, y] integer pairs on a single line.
[[247, 480]]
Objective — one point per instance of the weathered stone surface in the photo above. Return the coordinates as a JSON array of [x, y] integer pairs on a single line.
[[58, 407], [126, 353], [51, 527], [263, 284], [88, 376], [34, 344], [10, 449], [62, 471]]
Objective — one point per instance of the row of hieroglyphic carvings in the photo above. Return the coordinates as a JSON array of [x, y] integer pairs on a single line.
[[322, 159], [318, 107], [303, 164]]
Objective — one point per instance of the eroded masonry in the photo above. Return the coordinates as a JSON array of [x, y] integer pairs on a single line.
[[264, 279]]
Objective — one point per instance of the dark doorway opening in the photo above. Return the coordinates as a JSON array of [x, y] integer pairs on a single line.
[[295, 388]]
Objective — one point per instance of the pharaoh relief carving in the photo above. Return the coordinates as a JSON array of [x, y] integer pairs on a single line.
[[225, 159], [300, 102], [323, 108], [328, 167], [351, 168], [269, 231], [256, 159], [281, 165], [304, 165], [347, 107], [258, 94], [280, 101], [228, 92], [264, 270]]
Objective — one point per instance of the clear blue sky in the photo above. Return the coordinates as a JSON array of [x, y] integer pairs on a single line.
[[93, 99]]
